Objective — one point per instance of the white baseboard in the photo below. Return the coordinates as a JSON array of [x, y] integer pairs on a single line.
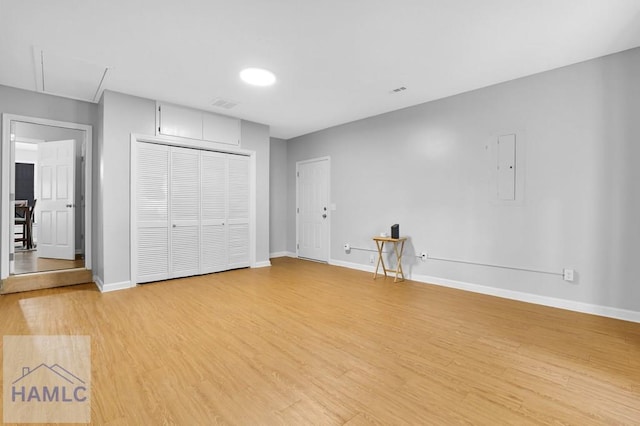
[[283, 254], [104, 288], [278, 254], [351, 265], [98, 282], [264, 264], [587, 308]]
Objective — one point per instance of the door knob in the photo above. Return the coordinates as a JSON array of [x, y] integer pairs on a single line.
[[324, 216], [69, 205]]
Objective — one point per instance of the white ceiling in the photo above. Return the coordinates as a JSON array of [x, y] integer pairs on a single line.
[[336, 60]]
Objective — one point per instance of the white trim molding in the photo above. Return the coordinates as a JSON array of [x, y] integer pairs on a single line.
[[329, 213], [264, 264], [6, 209], [351, 265], [105, 288], [281, 254], [570, 305]]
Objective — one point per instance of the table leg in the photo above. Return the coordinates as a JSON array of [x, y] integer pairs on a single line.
[[380, 246], [399, 260]]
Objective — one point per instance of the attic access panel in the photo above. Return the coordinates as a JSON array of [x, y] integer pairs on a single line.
[[69, 77]]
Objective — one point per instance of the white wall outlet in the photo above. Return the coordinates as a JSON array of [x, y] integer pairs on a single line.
[[567, 274], [372, 258], [423, 256], [347, 247]]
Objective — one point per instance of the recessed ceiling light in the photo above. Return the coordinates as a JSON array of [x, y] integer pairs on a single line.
[[257, 77]]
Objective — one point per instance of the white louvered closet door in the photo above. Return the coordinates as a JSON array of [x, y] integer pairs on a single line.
[[152, 212], [214, 255], [238, 212], [185, 212]]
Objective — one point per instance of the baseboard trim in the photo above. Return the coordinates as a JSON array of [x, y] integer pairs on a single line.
[[570, 305], [264, 264], [105, 288], [351, 265], [282, 254], [278, 254], [98, 282]]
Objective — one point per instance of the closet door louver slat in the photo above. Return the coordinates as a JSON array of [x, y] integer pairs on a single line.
[[238, 212], [185, 212], [214, 254], [152, 212]]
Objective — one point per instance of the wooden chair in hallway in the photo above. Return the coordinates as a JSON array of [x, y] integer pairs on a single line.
[[24, 219]]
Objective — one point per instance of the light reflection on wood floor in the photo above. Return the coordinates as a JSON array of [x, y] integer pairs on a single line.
[[27, 262]]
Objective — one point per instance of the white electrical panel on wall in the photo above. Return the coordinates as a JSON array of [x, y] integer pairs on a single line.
[[506, 167]]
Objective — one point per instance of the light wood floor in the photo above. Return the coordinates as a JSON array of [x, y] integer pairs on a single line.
[[306, 343], [28, 262]]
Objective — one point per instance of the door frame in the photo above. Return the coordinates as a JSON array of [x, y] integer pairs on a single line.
[[194, 144], [6, 236], [329, 210]]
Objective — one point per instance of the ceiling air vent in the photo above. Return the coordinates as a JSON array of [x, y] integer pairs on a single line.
[[223, 103], [398, 90]]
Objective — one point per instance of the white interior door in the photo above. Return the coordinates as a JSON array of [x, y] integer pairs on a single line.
[[313, 209], [56, 202], [185, 212]]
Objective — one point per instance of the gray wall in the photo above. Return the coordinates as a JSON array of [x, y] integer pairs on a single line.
[[98, 199], [426, 168], [255, 137], [278, 197], [123, 115], [32, 104]]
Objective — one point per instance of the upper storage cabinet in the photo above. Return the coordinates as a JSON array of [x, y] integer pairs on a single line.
[[190, 123]]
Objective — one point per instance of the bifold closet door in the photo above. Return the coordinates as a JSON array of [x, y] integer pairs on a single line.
[[192, 212], [152, 212], [185, 212], [238, 212], [214, 254]]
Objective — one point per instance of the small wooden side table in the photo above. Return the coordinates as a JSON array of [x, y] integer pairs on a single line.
[[380, 244]]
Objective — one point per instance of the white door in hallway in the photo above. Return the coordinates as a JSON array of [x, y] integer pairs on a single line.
[[312, 207], [56, 199]]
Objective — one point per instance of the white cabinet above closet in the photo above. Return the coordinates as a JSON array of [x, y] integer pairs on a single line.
[[190, 123]]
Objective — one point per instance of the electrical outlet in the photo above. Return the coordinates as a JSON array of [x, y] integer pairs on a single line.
[[372, 258], [567, 274], [423, 256]]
